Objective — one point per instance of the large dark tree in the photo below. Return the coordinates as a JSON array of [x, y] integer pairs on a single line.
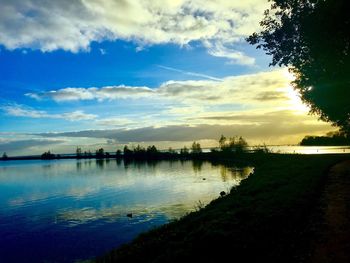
[[312, 38]]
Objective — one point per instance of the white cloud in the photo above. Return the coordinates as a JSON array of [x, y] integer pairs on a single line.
[[73, 24], [115, 121], [237, 100], [76, 116], [22, 111], [104, 93], [253, 89], [235, 57], [178, 111]]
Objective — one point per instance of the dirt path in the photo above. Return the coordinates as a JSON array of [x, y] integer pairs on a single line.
[[334, 242]]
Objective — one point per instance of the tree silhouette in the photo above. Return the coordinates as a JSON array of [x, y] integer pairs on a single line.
[[233, 144], [118, 153], [184, 151], [48, 155], [152, 150], [127, 152], [79, 153], [4, 156], [312, 38], [330, 140], [100, 153], [196, 148], [222, 142]]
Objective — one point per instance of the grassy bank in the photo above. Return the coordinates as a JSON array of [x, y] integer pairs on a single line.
[[269, 217]]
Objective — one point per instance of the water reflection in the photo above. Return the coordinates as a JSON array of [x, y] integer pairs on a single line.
[[310, 149], [85, 202], [197, 165]]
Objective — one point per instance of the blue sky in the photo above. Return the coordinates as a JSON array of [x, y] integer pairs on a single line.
[[108, 73]]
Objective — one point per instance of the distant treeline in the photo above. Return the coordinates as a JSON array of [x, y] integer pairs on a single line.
[[329, 140], [233, 145], [140, 152]]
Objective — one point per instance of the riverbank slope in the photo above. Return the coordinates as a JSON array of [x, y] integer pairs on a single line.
[[269, 217]]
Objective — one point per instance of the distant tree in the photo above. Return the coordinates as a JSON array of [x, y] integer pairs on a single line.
[[184, 151], [222, 142], [139, 152], [100, 153], [196, 148], [4, 156], [78, 152], [152, 149], [139, 149], [152, 152], [126, 149], [241, 145], [118, 153], [233, 144], [171, 151], [127, 152], [87, 154], [312, 38], [329, 140], [47, 155]]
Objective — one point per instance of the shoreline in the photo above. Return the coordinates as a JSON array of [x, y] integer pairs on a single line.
[[270, 217]]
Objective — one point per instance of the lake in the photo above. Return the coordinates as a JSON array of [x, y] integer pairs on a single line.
[[71, 210], [310, 149]]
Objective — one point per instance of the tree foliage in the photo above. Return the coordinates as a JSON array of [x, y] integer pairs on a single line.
[[184, 151], [196, 148], [48, 156], [78, 152], [233, 144], [100, 153], [4, 156], [312, 38], [330, 140]]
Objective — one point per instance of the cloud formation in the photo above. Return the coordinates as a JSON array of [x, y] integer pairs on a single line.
[[218, 49], [250, 88], [22, 111], [72, 25], [257, 130], [181, 111], [104, 93], [16, 145]]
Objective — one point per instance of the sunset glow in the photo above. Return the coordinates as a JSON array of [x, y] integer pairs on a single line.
[[107, 78]]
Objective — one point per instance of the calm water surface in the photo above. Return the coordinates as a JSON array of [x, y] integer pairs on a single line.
[[69, 210], [310, 149]]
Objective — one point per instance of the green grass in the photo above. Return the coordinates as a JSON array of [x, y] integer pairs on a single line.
[[269, 217]]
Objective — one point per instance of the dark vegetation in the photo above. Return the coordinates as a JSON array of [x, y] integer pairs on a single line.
[[4, 156], [335, 139], [233, 145], [48, 156], [270, 217], [312, 38]]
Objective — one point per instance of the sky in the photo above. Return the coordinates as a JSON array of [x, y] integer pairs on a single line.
[[105, 73]]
